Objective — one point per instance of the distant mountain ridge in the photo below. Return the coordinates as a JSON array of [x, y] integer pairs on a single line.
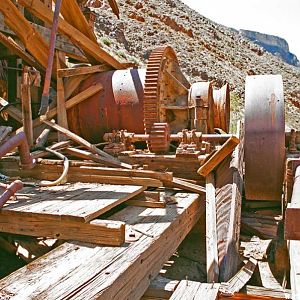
[[273, 44]]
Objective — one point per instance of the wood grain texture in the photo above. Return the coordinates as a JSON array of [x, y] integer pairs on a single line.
[[189, 290], [212, 259], [229, 186], [226, 149], [80, 202], [88, 46], [85, 271]]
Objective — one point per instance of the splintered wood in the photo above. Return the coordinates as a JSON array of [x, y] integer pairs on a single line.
[[107, 272], [68, 212]]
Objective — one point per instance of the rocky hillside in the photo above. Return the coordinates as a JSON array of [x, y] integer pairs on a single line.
[[206, 50], [273, 44]]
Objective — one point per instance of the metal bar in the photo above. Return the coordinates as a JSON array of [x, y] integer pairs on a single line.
[[45, 96]]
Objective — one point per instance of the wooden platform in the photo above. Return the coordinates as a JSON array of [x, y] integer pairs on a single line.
[[68, 212], [76, 270]]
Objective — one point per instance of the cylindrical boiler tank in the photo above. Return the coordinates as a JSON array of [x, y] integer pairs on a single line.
[[118, 106]]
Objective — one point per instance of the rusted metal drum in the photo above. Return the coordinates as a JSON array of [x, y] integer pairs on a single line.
[[222, 108], [201, 98], [264, 137], [118, 106]]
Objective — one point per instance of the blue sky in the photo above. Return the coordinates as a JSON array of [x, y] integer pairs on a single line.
[[276, 17]]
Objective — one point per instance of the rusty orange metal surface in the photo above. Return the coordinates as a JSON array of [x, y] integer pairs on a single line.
[[222, 108], [264, 137], [118, 106]]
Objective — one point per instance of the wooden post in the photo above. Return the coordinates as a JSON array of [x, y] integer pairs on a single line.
[[212, 261], [61, 106], [26, 106]]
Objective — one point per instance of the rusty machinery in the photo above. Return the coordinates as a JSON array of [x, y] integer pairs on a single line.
[[157, 101], [158, 105], [264, 137]]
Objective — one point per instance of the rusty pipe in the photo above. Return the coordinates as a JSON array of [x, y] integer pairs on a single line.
[[19, 140], [45, 95], [219, 138], [9, 191]]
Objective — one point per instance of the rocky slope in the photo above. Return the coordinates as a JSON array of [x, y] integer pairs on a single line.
[[206, 50], [273, 44]]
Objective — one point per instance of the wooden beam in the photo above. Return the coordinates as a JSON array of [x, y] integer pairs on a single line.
[[93, 272], [212, 260], [97, 158], [62, 119], [26, 107], [187, 186], [189, 290], [292, 212], [226, 149], [96, 231], [259, 293], [229, 190], [16, 49], [41, 11], [72, 13], [268, 280], [62, 43], [86, 94], [76, 138], [27, 34], [237, 282], [12, 111], [69, 72]]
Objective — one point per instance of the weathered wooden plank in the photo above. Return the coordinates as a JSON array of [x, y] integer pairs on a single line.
[[82, 271], [292, 213], [9, 43], [81, 141], [74, 16], [226, 149], [26, 107], [259, 293], [96, 158], [96, 231], [212, 259], [53, 172], [160, 288], [239, 280], [44, 13], [77, 202], [267, 278], [229, 186], [27, 34], [62, 119], [190, 290], [187, 186], [70, 72]]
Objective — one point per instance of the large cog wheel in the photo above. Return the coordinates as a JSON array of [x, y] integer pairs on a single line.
[[160, 60]]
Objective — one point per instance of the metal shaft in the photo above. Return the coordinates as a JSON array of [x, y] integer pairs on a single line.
[[45, 95]]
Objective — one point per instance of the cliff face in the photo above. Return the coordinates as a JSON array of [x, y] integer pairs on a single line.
[[206, 50], [273, 44]]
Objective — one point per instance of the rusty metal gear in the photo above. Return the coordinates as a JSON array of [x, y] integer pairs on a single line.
[[159, 138], [158, 62]]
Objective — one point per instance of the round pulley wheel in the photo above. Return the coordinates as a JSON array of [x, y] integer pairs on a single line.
[[222, 108], [264, 137], [159, 138]]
